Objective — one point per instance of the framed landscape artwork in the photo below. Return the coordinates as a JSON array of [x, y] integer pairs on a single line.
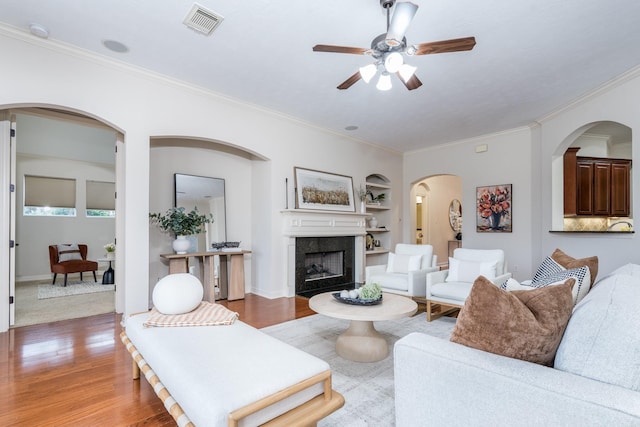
[[323, 191], [493, 212]]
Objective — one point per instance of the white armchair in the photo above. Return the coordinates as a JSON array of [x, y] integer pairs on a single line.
[[406, 270], [447, 290]]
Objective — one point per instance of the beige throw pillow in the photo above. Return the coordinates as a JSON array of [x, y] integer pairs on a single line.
[[525, 325], [569, 262]]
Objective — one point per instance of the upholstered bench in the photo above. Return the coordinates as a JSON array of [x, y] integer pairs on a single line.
[[231, 375]]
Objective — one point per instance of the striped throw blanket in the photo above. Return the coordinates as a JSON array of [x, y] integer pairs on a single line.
[[206, 314]]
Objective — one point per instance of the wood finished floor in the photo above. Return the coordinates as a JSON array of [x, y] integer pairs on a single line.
[[78, 373]]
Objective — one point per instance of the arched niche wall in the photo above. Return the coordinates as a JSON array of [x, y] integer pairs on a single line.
[[209, 158], [597, 139]]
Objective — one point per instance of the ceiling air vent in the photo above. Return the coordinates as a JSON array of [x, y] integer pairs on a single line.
[[202, 20]]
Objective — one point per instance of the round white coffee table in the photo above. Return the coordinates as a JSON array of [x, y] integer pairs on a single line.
[[361, 342]]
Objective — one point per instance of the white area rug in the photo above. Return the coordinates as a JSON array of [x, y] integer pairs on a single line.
[[74, 287], [366, 387]]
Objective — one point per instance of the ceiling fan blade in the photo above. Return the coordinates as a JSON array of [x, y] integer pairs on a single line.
[[350, 81], [341, 49], [403, 14], [413, 82], [444, 46]]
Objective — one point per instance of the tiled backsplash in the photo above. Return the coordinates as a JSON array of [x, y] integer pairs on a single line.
[[596, 224]]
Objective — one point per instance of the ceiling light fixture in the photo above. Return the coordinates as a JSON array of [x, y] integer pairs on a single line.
[[384, 82], [407, 71], [393, 61], [367, 72]]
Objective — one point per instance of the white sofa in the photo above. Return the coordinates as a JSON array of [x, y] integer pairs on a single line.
[[595, 380], [409, 279]]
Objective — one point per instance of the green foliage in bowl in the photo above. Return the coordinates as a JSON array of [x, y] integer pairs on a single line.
[[370, 291]]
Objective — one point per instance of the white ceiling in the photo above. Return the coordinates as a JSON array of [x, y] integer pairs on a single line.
[[531, 58]]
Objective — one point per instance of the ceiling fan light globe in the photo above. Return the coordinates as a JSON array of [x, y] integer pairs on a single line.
[[367, 72], [384, 82], [393, 62], [406, 72]]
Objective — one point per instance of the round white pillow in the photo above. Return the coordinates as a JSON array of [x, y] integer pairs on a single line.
[[177, 293]]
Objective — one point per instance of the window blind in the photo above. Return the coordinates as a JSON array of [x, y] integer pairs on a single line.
[[46, 191], [101, 195]]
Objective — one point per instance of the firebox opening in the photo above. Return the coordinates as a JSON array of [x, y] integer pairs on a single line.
[[324, 265]]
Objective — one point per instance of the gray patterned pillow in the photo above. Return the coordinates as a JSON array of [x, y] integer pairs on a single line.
[[547, 268], [580, 288]]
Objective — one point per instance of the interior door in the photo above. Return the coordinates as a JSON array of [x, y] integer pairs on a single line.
[[12, 222], [7, 220]]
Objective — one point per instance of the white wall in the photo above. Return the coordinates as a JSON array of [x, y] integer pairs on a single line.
[[617, 103], [35, 233], [60, 149], [507, 161], [143, 106]]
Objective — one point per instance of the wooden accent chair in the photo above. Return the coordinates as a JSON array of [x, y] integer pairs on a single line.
[[78, 265]]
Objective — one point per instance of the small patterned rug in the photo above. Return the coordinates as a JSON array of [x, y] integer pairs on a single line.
[[74, 287], [367, 387]]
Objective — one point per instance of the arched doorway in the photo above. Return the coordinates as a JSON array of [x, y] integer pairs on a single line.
[[56, 143], [435, 194]]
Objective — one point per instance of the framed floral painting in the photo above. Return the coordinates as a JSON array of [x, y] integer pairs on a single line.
[[493, 208]]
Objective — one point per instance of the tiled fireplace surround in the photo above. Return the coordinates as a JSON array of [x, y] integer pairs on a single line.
[[307, 223]]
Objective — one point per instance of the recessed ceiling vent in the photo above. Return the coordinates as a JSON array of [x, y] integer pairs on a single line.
[[202, 20]]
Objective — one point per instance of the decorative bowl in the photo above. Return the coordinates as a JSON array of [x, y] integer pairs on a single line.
[[231, 244], [356, 301]]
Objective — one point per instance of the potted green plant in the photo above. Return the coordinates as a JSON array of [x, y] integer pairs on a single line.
[[111, 250], [181, 223]]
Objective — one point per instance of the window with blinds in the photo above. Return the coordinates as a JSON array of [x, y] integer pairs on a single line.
[[47, 196], [101, 200]]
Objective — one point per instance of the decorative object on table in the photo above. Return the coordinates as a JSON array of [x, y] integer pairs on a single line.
[[231, 247], [493, 213], [369, 294], [111, 250], [216, 246], [373, 222], [323, 191], [182, 224]]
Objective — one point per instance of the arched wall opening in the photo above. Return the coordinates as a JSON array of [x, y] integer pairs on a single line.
[[66, 150], [605, 140], [437, 192], [203, 157]]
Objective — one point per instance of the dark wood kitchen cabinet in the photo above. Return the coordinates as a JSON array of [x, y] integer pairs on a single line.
[[596, 186]]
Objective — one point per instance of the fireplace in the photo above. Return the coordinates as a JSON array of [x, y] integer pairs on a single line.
[[322, 251], [324, 264]]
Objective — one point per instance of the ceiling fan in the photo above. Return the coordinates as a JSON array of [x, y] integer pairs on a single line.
[[387, 49]]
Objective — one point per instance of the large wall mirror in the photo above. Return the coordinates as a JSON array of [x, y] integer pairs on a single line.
[[207, 194]]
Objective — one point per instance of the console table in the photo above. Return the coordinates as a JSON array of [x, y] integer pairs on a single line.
[[231, 279]]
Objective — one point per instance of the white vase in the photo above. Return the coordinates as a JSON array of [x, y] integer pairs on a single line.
[[363, 207], [181, 245], [111, 255], [373, 222]]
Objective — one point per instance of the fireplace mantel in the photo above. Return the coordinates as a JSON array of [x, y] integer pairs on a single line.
[[307, 223], [312, 223]]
